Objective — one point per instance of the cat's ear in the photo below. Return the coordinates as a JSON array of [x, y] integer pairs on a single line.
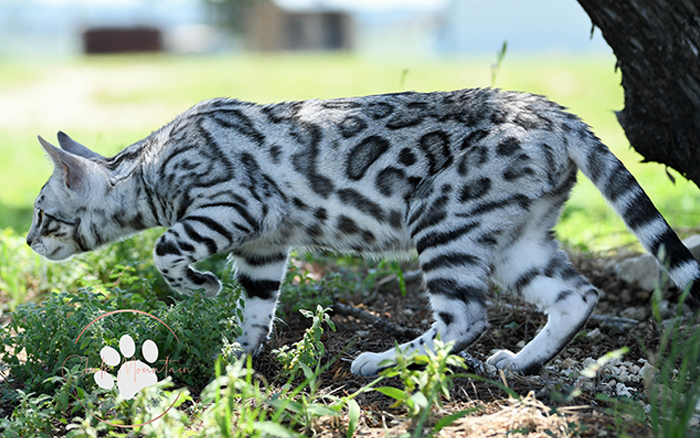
[[75, 148], [72, 168]]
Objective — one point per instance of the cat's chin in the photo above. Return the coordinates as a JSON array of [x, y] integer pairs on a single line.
[[59, 260], [58, 256]]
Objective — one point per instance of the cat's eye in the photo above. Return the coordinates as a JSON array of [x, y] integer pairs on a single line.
[[41, 215]]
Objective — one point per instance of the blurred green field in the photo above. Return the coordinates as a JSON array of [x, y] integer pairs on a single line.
[[111, 102]]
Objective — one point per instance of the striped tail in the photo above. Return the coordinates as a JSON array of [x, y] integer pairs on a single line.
[[629, 200]]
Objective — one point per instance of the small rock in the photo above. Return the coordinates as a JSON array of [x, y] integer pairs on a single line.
[[693, 244], [667, 323], [589, 361], [644, 270], [520, 344], [573, 352], [623, 376], [594, 335], [622, 390], [694, 421], [642, 295], [491, 370], [568, 363], [647, 371], [666, 309], [636, 313]]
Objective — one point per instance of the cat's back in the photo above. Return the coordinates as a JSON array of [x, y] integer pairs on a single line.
[[373, 143]]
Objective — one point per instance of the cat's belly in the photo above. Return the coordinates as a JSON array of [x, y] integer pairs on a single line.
[[358, 237]]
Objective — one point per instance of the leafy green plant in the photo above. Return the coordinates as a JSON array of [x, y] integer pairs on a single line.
[[32, 418], [309, 350], [237, 405], [239, 399], [47, 333], [424, 388], [305, 404], [156, 409]]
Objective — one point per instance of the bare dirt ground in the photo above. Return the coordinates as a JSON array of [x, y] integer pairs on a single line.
[[549, 407]]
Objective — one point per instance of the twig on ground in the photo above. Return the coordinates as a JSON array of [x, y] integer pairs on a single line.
[[389, 327], [614, 321]]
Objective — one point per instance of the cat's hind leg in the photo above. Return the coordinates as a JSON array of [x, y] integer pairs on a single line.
[[535, 267], [456, 266]]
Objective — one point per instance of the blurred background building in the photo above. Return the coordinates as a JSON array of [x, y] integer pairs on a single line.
[[399, 27]]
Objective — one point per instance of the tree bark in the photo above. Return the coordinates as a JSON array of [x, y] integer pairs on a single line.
[[657, 43]]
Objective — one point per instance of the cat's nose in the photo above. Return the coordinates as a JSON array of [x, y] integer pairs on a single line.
[[30, 240]]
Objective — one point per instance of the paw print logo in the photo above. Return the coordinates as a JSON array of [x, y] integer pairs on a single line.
[[120, 368], [133, 375]]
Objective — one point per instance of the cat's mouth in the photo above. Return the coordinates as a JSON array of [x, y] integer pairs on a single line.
[[59, 253]]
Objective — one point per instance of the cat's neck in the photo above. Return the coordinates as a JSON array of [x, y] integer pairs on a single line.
[[130, 199]]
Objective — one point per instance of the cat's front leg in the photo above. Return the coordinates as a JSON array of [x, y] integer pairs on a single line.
[[260, 272], [180, 247]]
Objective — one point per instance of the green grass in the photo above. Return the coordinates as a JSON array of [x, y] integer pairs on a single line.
[[122, 99]]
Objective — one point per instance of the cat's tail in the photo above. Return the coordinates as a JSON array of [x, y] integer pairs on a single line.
[[627, 197]]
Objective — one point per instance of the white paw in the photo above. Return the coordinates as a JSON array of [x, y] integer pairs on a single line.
[[210, 284], [368, 364], [207, 282], [504, 360]]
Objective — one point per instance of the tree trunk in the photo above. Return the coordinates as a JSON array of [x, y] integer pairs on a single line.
[[657, 43]]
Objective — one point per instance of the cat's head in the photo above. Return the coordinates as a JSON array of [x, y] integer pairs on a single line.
[[66, 212]]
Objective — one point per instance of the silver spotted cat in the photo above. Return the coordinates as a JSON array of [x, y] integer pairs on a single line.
[[473, 180]]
